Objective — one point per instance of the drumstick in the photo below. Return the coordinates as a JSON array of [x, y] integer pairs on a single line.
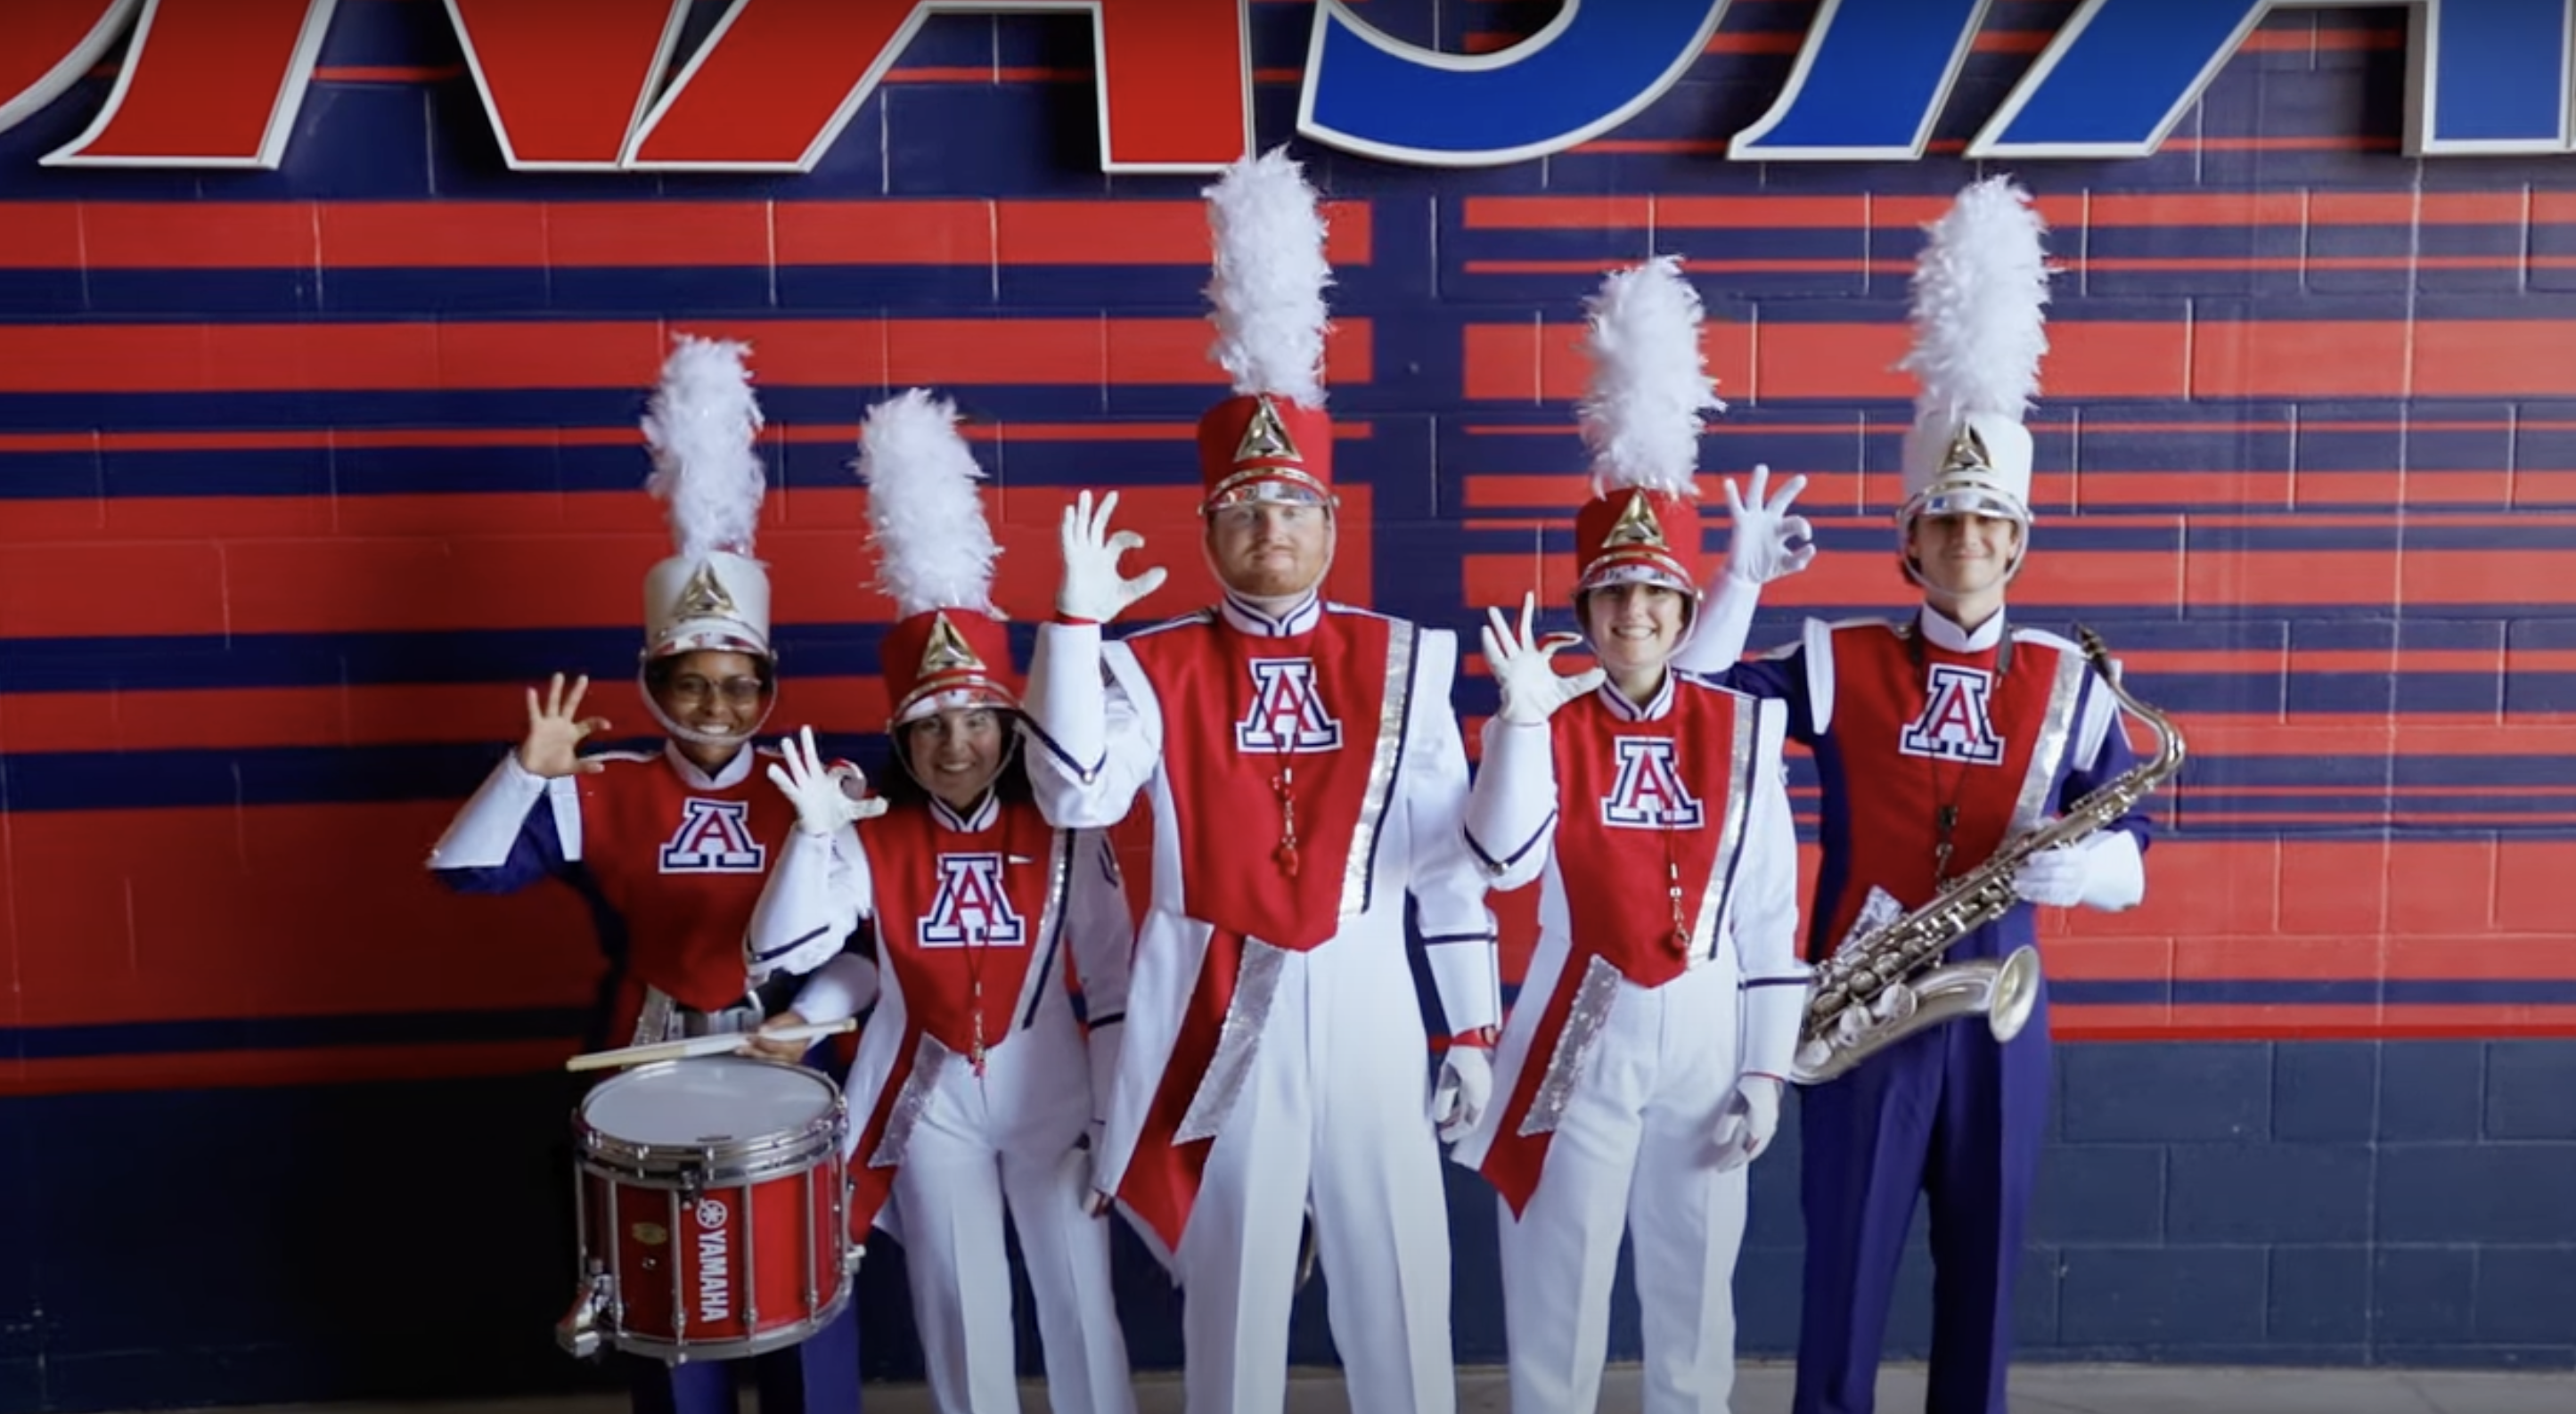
[[715, 1045]]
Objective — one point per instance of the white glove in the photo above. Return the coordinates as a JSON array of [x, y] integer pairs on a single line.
[[2103, 871], [1466, 1083], [2054, 877], [825, 798], [1768, 542], [1092, 588], [1532, 687], [1075, 1172], [1752, 1117]]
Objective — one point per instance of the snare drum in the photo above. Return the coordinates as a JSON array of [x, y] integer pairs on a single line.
[[710, 1198]]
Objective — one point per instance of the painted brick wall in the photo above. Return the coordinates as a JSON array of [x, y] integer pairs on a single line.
[[303, 473]]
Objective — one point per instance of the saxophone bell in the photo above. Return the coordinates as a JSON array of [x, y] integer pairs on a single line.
[[2004, 992]]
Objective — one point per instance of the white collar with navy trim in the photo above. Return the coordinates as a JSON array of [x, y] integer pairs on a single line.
[[733, 773], [968, 822], [1939, 631], [1652, 709], [1246, 617]]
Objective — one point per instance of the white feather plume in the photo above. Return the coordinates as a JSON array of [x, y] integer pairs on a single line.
[[703, 426], [1269, 281], [1641, 417], [1980, 291], [934, 550]]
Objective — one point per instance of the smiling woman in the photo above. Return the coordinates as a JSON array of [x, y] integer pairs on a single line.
[[715, 699]]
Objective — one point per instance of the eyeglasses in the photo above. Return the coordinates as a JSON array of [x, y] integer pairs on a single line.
[[738, 692], [1252, 515]]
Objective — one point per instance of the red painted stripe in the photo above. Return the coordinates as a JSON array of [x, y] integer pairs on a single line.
[[461, 564], [286, 889], [2309, 1023], [2207, 579], [650, 234], [334, 1065], [1946, 147], [466, 235], [375, 437], [2303, 499], [1545, 362], [2069, 265], [163, 358], [2067, 215]]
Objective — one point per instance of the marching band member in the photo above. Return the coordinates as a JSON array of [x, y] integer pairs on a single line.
[[669, 847], [976, 1087], [1936, 739], [1306, 776], [1642, 1065]]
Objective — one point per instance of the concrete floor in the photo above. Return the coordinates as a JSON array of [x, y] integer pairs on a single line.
[[1764, 1389]]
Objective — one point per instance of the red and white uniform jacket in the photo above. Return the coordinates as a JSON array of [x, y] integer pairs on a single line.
[[670, 859], [988, 924], [1913, 724], [1328, 728], [1665, 843]]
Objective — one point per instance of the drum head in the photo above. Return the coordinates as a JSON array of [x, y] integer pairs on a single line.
[[707, 1100]]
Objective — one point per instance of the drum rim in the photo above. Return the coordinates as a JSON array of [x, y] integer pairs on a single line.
[[694, 1166], [773, 1154], [671, 1351]]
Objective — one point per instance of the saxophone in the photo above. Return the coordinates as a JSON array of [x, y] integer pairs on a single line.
[[1885, 985]]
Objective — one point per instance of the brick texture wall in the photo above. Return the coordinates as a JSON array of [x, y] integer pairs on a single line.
[[303, 473]]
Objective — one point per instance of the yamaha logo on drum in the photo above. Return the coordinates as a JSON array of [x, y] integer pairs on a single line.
[[715, 1286]]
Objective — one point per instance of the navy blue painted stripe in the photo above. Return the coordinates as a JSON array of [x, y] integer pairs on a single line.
[[841, 649], [299, 775], [498, 656], [536, 465]]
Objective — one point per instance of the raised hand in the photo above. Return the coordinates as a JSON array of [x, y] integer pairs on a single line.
[[1092, 589], [1532, 688], [2054, 877], [826, 798], [1768, 542], [555, 732]]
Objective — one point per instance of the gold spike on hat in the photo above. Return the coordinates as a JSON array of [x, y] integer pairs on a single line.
[[704, 597], [1636, 525], [1265, 437], [1967, 452], [944, 651]]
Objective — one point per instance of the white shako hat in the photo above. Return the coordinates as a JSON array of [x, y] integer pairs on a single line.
[[703, 428], [1980, 292]]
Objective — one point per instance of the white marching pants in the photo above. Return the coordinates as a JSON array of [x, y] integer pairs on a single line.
[[1633, 1150], [1334, 1106], [949, 1197]]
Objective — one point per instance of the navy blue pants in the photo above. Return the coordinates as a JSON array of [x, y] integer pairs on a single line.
[[1951, 1115], [818, 1376]]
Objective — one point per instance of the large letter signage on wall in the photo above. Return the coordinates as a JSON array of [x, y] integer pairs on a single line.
[[565, 82], [587, 84], [1869, 84], [779, 79], [48, 45], [206, 83], [1592, 68], [2487, 76]]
